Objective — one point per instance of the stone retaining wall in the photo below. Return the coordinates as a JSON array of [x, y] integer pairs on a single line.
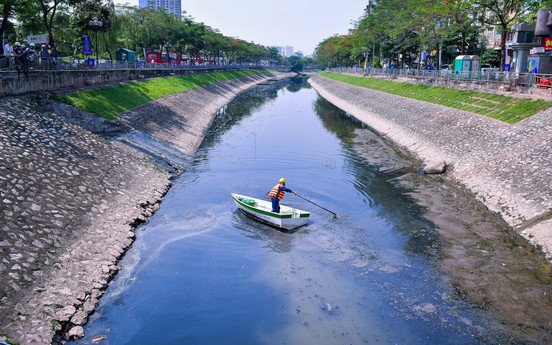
[[13, 84], [507, 167]]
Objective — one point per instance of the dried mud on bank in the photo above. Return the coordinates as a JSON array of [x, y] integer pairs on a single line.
[[488, 264]]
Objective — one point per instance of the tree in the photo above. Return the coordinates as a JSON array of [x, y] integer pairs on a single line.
[[296, 64], [501, 13], [46, 10], [491, 57], [85, 11], [335, 51], [8, 7]]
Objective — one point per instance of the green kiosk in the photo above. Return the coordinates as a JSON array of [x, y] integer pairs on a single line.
[[466, 67], [124, 54]]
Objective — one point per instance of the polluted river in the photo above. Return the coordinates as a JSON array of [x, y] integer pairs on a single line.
[[409, 259]]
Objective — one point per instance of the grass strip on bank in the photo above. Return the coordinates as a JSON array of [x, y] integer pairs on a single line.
[[504, 108], [110, 101]]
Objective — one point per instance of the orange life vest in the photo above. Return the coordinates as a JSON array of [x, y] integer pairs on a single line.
[[275, 193]]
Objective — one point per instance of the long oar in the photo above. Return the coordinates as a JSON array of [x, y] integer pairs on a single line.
[[312, 202]]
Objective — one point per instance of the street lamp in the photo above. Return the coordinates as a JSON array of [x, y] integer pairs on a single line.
[[96, 24], [366, 54], [482, 43]]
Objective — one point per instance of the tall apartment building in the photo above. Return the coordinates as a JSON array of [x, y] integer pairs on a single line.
[[170, 6], [288, 51], [285, 51]]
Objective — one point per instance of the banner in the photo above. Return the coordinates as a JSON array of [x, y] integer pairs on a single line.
[[86, 45]]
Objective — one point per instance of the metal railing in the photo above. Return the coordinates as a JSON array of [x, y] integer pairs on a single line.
[[37, 63], [491, 78]]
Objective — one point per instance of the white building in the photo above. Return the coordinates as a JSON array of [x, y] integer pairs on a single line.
[[285, 51], [288, 51], [170, 6]]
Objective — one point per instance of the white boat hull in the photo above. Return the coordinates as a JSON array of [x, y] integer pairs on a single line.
[[288, 218]]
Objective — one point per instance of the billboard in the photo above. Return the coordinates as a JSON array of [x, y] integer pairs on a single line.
[[37, 39]]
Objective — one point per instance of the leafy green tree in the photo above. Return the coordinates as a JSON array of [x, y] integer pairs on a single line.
[[273, 56], [491, 57], [85, 11], [335, 51], [7, 8], [46, 10], [66, 21], [503, 14], [296, 64]]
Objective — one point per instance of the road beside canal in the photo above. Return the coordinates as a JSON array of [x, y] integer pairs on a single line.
[[506, 167]]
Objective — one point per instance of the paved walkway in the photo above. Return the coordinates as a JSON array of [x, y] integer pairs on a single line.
[[507, 167]]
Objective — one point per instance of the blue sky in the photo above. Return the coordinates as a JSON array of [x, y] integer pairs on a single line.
[[301, 24]]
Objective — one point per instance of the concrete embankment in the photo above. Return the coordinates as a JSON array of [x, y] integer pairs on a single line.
[[70, 201], [507, 167]]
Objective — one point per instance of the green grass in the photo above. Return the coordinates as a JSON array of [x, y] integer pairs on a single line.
[[504, 108], [108, 102]]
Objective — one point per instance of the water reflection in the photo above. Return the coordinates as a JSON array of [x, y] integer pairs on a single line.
[[274, 239]]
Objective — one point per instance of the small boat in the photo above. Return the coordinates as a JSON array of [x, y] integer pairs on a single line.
[[261, 210]]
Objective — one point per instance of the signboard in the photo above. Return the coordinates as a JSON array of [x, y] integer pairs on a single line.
[[548, 44], [536, 50], [86, 45], [532, 66], [37, 39]]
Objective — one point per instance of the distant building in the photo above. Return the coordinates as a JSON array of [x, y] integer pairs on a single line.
[[170, 6], [299, 54], [285, 51]]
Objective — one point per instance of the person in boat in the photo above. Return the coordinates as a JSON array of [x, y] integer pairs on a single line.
[[277, 193]]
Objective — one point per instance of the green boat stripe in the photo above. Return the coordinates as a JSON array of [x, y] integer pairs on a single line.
[[271, 214]]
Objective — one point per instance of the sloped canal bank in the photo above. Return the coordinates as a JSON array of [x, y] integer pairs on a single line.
[[410, 259]]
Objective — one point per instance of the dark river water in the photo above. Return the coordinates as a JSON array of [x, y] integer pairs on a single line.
[[200, 272]]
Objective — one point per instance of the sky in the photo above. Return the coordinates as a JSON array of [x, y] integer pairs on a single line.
[[301, 24]]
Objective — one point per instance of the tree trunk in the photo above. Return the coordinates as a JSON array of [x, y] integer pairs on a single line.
[[503, 52], [5, 18]]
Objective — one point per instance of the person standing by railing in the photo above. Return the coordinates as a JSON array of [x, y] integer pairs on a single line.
[[28, 55], [53, 57], [8, 53], [18, 58], [25, 60], [44, 55]]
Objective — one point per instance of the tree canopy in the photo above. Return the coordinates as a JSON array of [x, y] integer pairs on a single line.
[[398, 31], [138, 29]]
